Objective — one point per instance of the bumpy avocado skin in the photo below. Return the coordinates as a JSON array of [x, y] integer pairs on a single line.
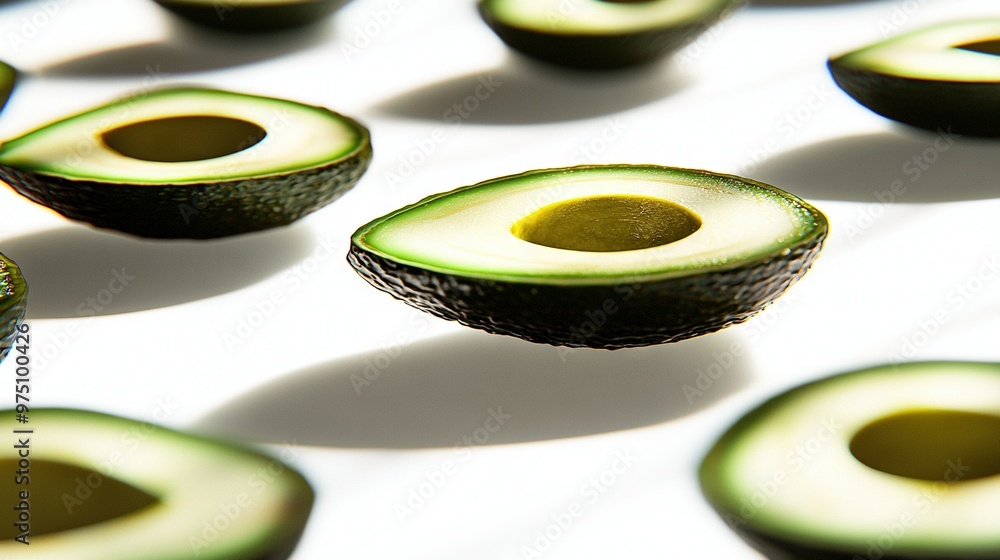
[[960, 107], [240, 17], [621, 315], [193, 211], [13, 303], [597, 52]]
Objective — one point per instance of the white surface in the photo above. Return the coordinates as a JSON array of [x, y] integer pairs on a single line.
[[903, 278]]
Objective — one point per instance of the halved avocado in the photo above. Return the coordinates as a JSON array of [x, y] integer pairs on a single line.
[[895, 462], [101, 487], [941, 77], [252, 15], [600, 34], [8, 77], [604, 256], [189, 163], [13, 302]]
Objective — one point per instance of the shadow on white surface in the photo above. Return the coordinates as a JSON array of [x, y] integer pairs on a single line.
[[924, 167], [78, 271], [521, 91], [487, 388], [188, 49]]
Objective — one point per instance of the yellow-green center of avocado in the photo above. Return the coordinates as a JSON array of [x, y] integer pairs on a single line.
[[186, 138], [607, 223], [934, 445]]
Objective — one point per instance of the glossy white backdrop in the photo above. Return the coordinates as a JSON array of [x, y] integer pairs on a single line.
[[267, 338]]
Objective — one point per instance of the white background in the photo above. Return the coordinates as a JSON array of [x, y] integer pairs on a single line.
[[752, 97]]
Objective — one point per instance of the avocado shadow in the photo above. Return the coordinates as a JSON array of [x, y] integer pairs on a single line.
[[521, 91], [78, 271], [188, 49], [923, 167], [489, 388]]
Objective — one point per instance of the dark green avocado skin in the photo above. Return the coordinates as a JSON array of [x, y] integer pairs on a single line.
[[611, 316], [963, 108], [235, 15], [13, 302], [195, 211], [596, 52]]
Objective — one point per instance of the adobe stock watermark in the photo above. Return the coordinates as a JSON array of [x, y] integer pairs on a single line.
[[265, 307], [433, 481], [31, 26], [900, 16], [957, 298], [590, 492], [377, 364], [131, 440], [921, 503], [796, 459], [913, 169], [788, 126], [365, 34], [455, 115], [253, 489], [706, 38]]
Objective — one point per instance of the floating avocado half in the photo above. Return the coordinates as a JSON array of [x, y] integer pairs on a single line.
[[100, 487], [600, 34], [599, 256], [189, 163], [13, 300], [896, 462], [252, 15], [8, 77], [941, 77]]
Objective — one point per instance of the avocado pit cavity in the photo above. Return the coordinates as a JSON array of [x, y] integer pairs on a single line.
[[184, 138], [988, 46], [933, 445], [64, 497], [607, 224]]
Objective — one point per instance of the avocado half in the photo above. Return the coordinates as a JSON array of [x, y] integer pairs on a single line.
[[101, 487], [942, 77], [600, 34], [8, 77], [189, 163], [604, 256], [896, 462], [251, 15], [13, 303]]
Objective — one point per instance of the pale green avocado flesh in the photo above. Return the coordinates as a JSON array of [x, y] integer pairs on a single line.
[[898, 462], [189, 162], [945, 76], [675, 252], [89, 486]]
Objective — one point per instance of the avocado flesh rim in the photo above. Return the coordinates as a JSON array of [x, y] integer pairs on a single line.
[[300, 137], [825, 502], [468, 231], [13, 295], [932, 53], [597, 17], [194, 479]]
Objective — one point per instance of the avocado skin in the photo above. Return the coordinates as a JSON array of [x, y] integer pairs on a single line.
[[778, 549], [13, 303], [596, 52], [631, 313], [193, 211], [967, 108], [234, 15]]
